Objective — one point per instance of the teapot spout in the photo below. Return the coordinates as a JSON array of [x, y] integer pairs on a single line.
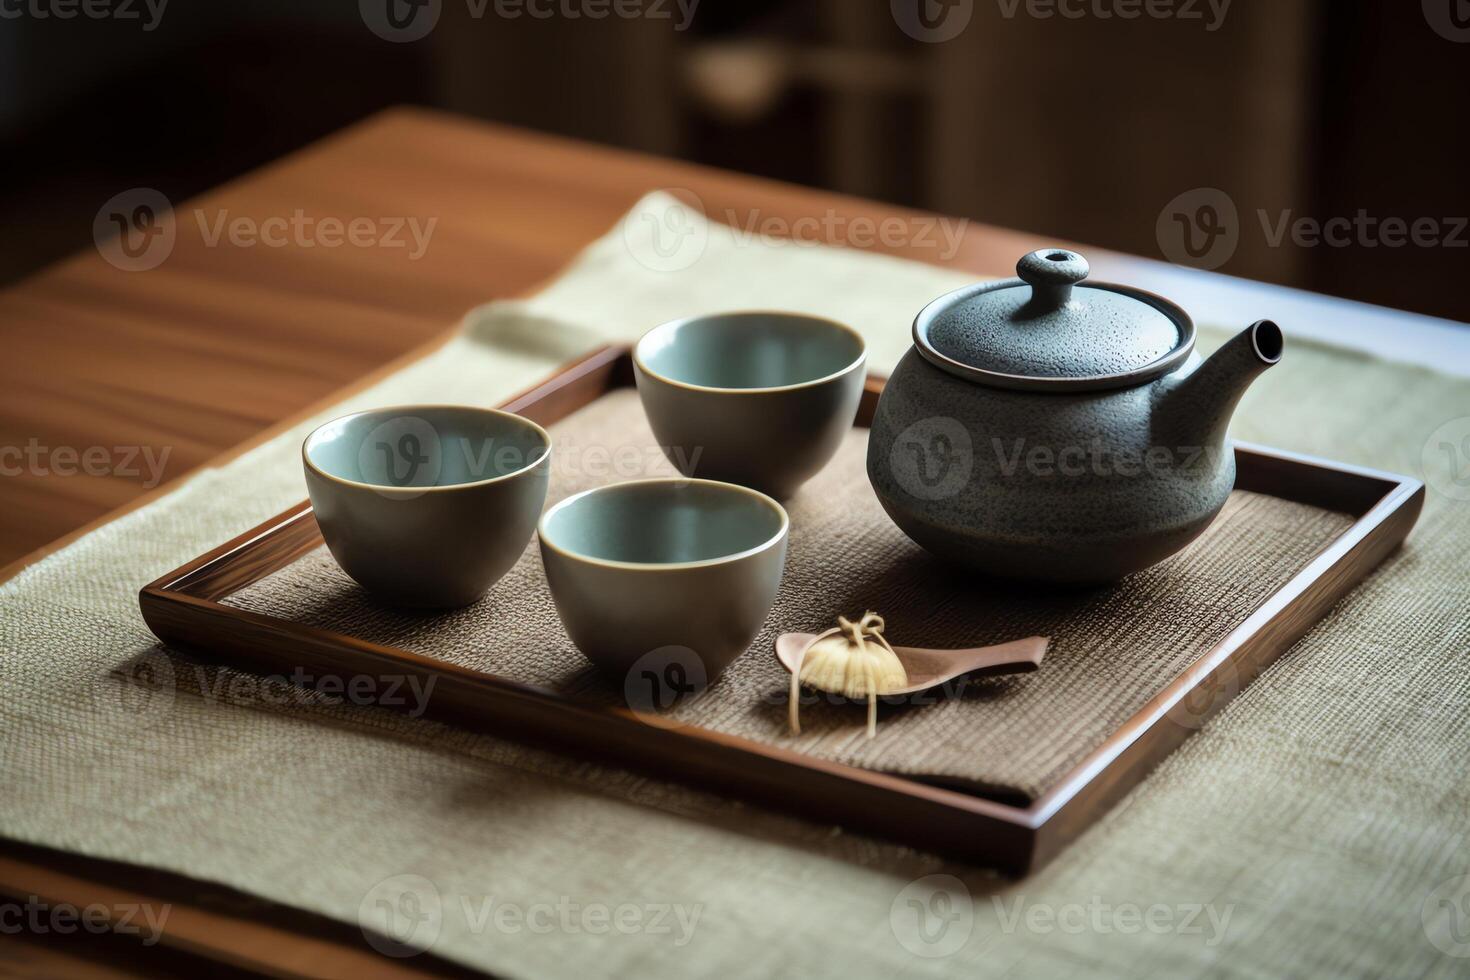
[[1196, 409]]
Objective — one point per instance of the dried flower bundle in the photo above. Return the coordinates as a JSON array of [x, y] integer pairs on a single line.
[[853, 660]]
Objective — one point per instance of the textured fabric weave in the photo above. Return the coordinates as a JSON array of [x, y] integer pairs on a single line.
[[1317, 827], [1113, 649]]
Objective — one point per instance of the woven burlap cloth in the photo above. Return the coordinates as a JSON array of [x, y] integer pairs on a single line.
[[1113, 649], [1316, 827]]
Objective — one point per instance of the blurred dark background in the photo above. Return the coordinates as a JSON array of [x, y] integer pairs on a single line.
[[1082, 127]]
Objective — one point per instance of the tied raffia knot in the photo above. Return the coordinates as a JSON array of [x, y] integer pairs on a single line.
[[870, 625], [852, 659]]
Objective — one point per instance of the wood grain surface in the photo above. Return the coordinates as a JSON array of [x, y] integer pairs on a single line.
[[221, 345], [183, 608], [222, 342]]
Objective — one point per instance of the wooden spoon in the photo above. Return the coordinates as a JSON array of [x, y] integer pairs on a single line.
[[931, 668]]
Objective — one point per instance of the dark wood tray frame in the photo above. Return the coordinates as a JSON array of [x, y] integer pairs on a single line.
[[183, 608]]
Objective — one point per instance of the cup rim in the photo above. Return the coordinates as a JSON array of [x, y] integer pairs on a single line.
[[783, 314], [652, 566], [384, 488]]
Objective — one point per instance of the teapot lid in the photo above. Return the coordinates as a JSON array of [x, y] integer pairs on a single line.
[[1050, 331]]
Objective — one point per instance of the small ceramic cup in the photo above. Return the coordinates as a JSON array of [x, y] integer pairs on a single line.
[[427, 505], [758, 399], [638, 569]]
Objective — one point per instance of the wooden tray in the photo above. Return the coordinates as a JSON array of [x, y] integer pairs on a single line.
[[184, 609]]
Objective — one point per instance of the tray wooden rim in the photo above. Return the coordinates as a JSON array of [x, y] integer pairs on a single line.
[[183, 609]]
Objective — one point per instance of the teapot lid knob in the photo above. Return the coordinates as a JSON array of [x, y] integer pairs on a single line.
[[1051, 273]]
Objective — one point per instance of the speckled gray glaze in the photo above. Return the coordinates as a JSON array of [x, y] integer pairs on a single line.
[[1093, 332], [761, 399], [1047, 459]]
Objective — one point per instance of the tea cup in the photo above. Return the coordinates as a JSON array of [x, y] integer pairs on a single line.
[[427, 505], [762, 399], [691, 566]]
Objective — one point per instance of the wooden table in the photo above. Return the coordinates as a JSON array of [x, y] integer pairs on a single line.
[[222, 344]]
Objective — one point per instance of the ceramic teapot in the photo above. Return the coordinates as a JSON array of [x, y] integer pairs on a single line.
[[1055, 429]]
